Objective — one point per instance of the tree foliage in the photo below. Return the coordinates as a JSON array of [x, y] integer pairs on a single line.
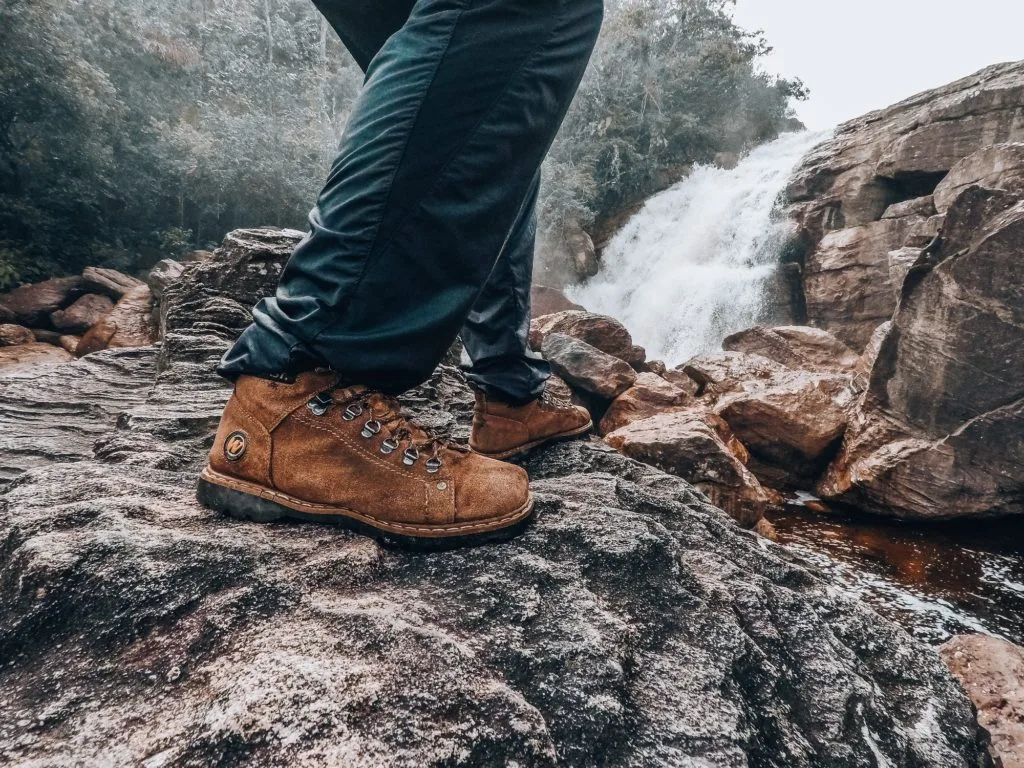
[[130, 129]]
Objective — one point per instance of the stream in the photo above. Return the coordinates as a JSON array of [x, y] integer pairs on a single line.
[[696, 264]]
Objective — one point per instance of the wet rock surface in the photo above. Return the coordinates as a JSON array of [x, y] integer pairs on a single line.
[[992, 671], [633, 624]]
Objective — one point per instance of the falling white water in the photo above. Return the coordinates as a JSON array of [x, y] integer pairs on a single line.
[[696, 263]]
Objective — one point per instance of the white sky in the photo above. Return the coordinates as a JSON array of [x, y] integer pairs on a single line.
[[860, 55]]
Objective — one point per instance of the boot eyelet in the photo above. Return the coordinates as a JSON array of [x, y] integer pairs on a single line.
[[410, 456], [371, 428], [319, 404], [352, 411], [433, 465], [389, 446]]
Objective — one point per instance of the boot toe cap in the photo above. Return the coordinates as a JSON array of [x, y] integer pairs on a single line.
[[491, 490]]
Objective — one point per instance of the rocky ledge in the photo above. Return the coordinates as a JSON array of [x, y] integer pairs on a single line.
[[633, 624]]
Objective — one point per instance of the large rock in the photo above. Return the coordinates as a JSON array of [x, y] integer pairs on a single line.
[[27, 357], [717, 373], [548, 301], [798, 347], [12, 334], [586, 367], [878, 161], [633, 624], [128, 324], [32, 304], [992, 672], [601, 331], [164, 273], [84, 313], [791, 426], [997, 167], [698, 447], [938, 431], [649, 395], [109, 282]]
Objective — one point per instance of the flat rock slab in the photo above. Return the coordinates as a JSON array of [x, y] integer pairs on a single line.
[[632, 624]]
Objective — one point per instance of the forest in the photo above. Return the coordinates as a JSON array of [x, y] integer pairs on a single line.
[[131, 130]]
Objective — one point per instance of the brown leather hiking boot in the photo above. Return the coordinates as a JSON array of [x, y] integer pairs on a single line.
[[501, 430], [314, 450]]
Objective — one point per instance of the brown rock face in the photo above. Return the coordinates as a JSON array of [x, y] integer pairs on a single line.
[[109, 281], [992, 672], [548, 301], [938, 433], [587, 368], [11, 335], [723, 372], [874, 166], [128, 324], [798, 347], [32, 304], [28, 356], [606, 333], [790, 426], [691, 445], [84, 313], [996, 167], [648, 396]]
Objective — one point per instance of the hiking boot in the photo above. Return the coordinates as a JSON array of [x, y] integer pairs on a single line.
[[316, 450], [501, 430]]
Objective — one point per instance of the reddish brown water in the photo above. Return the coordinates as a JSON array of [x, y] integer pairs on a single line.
[[936, 580]]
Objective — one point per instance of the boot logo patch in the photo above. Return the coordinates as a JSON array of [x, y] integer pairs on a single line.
[[235, 445]]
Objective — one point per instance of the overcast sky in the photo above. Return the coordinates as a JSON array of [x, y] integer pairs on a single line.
[[860, 55]]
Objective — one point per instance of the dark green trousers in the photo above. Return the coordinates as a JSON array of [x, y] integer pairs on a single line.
[[426, 224]]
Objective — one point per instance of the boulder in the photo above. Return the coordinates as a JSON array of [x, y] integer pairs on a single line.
[[937, 431], [991, 670], [798, 347], [863, 192], [69, 342], [163, 274], [28, 356], [791, 426], [862, 370], [84, 313], [681, 380], [648, 396], [32, 304], [633, 623], [699, 448], [586, 367], [601, 331], [848, 289], [997, 167], [109, 282], [548, 301], [128, 324], [12, 335], [722, 372]]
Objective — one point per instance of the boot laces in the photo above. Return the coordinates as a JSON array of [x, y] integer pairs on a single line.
[[385, 417]]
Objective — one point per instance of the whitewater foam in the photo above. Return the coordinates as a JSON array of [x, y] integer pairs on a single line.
[[695, 264]]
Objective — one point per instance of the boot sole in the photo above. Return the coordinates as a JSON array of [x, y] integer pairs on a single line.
[[249, 501], [527, 447]]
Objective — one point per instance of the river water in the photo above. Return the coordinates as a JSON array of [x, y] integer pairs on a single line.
[[694, 265]]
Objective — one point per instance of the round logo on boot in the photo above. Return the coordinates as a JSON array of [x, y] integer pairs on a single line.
[[235, 445]]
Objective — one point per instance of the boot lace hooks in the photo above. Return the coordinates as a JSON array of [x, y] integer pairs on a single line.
[[395, 438]]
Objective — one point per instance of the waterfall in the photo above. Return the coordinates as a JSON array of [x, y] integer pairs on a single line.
[[695, 264]]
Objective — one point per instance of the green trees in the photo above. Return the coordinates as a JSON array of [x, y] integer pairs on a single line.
[[672, 83], [134, 128]]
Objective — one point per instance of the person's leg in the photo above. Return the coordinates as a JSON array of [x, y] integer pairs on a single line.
[[496, 333], [365, 25], [441, 151]]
